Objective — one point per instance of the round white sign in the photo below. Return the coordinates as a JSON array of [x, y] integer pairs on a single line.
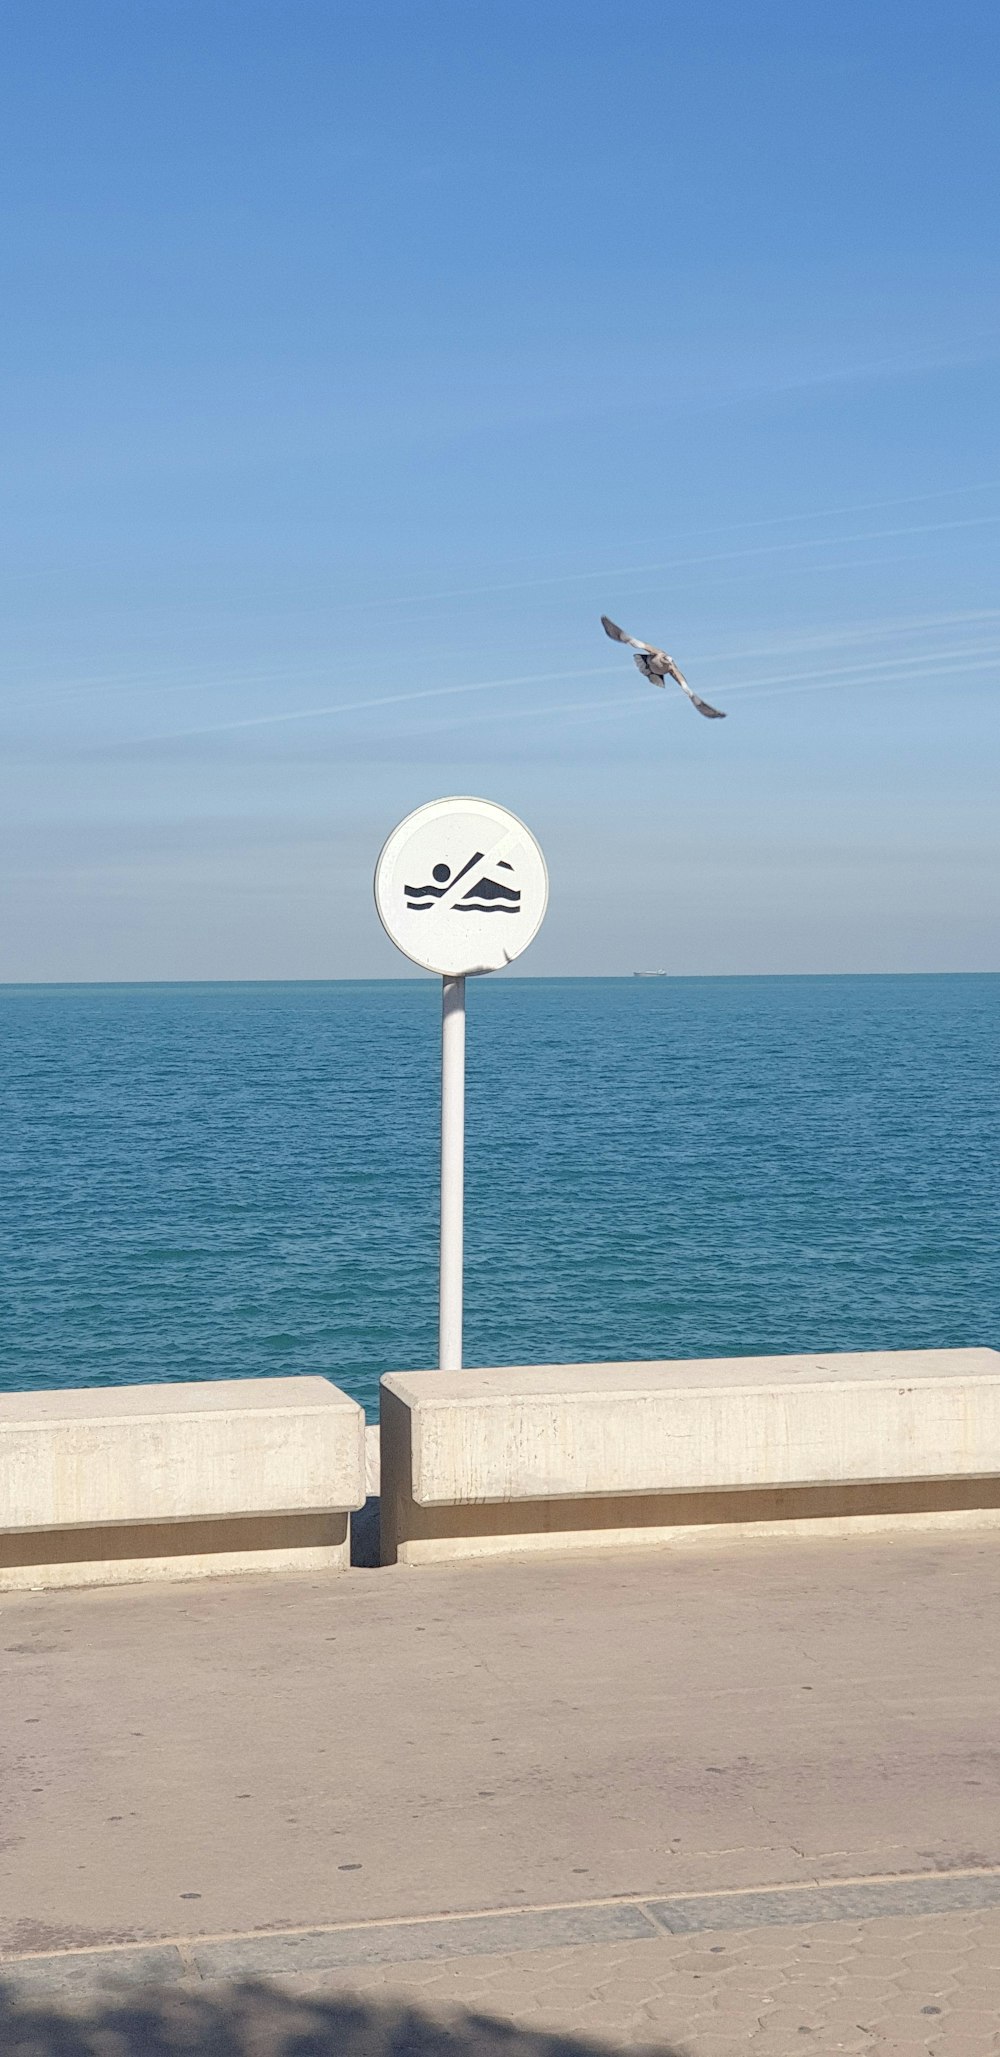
[[461, 887]]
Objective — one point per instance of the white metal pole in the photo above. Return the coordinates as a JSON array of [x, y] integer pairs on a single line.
[[452, 1171]]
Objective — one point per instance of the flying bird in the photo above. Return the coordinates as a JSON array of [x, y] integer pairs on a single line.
[[655, 666]]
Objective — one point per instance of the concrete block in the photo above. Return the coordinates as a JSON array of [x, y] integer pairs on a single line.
[[594, 1455], [117, 1484]]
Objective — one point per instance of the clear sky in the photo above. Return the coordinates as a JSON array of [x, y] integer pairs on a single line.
[[359, 356]]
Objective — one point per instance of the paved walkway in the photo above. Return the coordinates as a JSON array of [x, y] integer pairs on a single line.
[[739, 1799], [890, 1986]]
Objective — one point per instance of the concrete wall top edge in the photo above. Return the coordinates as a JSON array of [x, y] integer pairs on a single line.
[[303, 1395], [499, 1385]]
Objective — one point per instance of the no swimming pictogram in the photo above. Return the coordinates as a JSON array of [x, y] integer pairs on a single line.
[[484, 896], [445, 875]]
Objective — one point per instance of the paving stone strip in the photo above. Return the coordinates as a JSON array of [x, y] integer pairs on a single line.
[[78, 1973]]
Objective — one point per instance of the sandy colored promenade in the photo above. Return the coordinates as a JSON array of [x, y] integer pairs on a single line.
[[734, 1799]]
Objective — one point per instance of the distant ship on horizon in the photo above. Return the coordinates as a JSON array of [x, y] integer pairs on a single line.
[[650, 974]]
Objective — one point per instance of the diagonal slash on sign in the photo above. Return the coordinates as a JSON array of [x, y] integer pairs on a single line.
[[508, 842]]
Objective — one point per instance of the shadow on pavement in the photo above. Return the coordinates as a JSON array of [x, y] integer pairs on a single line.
[[256, 2020]]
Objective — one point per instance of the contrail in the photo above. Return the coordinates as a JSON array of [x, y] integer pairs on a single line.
[[686, 563], [140, 680], [117, 683], [728, 528], [902, 678], [908, 676], [819, 640], [590, 671], [932, 660], [229, 681], [856, 676], [255, 721]]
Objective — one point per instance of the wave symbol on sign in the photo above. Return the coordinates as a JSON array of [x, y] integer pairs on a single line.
[[487, 896]]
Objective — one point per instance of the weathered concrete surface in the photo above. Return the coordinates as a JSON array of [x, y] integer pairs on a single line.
[[549, 1457], [264, 1754], [177, 1481]]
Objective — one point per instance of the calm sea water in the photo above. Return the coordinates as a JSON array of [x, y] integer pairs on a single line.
[[232, 1181]]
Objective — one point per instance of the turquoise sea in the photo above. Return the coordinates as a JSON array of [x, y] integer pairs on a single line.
[[218, 1181]]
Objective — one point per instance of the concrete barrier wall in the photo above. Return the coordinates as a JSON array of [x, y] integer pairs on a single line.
[[186, 1481], [582, 1456], [177, 1481]]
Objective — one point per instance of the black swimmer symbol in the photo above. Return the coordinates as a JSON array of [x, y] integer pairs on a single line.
[[487, 896]]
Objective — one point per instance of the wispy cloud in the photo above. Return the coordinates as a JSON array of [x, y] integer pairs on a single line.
[[931, 660], [918, 671], [905, 675], [163, 680], [898, 671], [627, 571], [256, 721], [918, 626]]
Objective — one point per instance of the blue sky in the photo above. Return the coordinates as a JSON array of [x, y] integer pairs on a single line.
[[357, 358]]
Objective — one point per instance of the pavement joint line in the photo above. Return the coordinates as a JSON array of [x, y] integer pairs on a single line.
[[652, 1905], [373, 1924]]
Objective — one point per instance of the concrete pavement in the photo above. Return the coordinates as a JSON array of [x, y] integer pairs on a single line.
[[587, 1741]]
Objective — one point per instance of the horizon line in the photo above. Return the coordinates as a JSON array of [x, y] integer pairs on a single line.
[[415, 979]]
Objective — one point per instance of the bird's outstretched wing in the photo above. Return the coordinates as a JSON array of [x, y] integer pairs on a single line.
[[710, 713], [703, 706], [618, 635]]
